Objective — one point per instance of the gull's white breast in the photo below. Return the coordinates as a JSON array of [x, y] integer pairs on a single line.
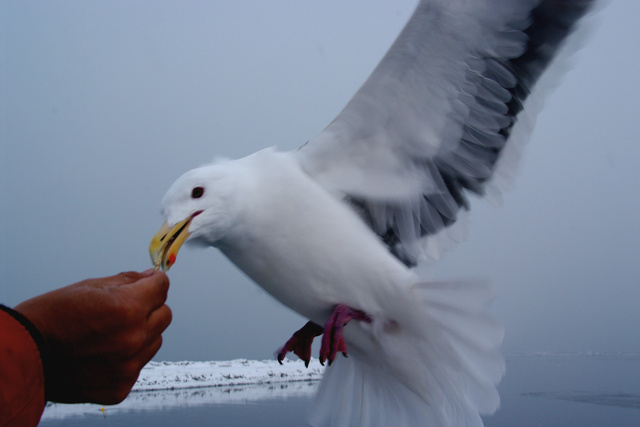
[[304, 245]]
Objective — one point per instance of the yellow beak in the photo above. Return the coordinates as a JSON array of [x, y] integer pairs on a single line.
[[166, 243]]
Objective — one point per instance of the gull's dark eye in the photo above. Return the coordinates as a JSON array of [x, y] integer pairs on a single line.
[[197, 192]]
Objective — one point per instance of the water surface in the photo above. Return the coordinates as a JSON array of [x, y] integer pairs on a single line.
[[550, 390]]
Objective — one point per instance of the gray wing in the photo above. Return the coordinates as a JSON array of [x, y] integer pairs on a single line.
[[432, 120]]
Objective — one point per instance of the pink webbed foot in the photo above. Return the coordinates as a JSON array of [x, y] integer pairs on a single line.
[[333, 340], [300, 342]]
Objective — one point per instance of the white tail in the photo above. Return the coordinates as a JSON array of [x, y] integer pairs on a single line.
[[433, 361]]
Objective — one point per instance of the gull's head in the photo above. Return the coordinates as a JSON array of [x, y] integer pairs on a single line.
[[197, 207]]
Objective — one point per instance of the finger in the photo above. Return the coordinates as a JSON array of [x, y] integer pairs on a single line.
[[120, 279], [112, 392], [146, 354], [114, 381], [159, 320], [152, 350], [151, 290]]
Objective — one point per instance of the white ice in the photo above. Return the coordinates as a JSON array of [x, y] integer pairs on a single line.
[[162, 385]]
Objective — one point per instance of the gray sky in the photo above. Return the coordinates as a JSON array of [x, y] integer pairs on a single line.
[[104, 104]]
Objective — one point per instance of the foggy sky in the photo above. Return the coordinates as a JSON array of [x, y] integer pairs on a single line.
[[104, 104]]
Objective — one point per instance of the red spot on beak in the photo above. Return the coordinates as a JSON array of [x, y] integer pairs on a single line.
[[171, 259]]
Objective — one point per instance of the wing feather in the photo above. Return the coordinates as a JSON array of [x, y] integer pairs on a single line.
[[431, 122]]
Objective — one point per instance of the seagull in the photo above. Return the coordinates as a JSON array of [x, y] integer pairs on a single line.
[[334, 229]]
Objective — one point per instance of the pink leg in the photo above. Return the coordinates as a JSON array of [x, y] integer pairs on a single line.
[[333, 341], [300, 342]]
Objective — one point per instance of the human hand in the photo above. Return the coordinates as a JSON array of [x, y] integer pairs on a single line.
[[101, 333]]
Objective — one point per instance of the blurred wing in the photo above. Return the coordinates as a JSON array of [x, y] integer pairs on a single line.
[[431, 121]]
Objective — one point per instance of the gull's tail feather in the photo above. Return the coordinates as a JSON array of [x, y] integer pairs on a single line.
[[434, 361]]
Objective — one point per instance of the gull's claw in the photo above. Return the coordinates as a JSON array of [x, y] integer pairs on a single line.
[[300, 342], [333, 340]]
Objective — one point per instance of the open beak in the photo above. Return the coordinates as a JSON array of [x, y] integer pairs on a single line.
[[166, 243]]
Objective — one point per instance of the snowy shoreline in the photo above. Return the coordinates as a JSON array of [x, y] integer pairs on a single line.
[[188, 374], [163, 385]]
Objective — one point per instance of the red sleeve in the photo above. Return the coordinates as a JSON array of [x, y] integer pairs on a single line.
[[21, 372]]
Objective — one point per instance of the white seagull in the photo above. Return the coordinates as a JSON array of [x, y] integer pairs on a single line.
[[333, 229]]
